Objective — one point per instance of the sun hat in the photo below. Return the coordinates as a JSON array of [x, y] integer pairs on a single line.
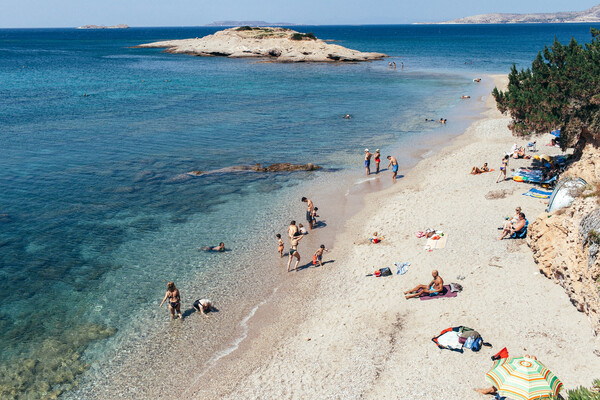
[[366, 150]]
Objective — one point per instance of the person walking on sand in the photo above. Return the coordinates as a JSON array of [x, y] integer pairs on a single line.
[[503, 168], [174, 300], [434, 288], [280, 245], [377, 160], [294, 252], [292, 230], [319, 255], [394, 164], [368, 161], [309, 209]]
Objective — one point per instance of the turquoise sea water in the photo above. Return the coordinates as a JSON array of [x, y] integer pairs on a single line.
[[96, 209]]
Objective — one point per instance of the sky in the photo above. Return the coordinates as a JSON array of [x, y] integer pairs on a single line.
[[72, 13]]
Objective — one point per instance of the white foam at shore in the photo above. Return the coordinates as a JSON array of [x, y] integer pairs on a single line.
[[235, 345]]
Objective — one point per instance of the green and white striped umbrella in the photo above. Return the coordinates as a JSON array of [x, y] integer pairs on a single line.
[[523, 378]]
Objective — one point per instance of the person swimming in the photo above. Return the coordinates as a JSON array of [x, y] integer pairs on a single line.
[[219, 248]]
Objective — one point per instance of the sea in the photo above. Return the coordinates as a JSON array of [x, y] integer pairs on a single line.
[[98, 211]]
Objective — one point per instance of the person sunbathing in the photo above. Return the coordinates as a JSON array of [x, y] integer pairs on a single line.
[[519, 153], [434, 288], [514, 228], [476, 171]]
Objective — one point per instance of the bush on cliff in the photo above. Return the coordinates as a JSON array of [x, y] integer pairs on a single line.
[[560, 90], [302, 36]]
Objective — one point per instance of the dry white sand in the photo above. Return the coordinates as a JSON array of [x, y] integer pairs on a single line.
[[367, 341]]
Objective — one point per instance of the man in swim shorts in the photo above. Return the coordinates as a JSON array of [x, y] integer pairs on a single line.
[[368, 161], [434, 288], [309, 209], [394, 164]]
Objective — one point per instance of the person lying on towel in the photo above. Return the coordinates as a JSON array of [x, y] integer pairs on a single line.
[[434, 288], [477, 171]]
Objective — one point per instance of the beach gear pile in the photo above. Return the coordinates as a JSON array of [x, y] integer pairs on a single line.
[[458, 338]]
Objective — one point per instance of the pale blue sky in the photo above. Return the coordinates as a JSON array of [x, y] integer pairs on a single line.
[[70, 13]]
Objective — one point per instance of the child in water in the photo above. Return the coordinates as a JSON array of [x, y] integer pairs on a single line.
[[302, 229], [280, 245], [314, 215], [319, 254]]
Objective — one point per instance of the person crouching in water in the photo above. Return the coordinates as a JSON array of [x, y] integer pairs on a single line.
[[203, 306], [174, 300]]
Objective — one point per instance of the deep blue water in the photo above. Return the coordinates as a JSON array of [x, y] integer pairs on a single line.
[[93, 191]]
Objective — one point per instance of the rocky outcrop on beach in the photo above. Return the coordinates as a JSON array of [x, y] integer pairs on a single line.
[[277, 167], [273, 44], [590, 15], [565, 244], [285, 167], [119, 26]]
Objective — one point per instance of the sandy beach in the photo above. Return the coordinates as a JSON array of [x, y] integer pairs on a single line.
[[335, 333]]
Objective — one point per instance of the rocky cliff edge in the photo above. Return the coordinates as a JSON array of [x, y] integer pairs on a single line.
[[565, 243]]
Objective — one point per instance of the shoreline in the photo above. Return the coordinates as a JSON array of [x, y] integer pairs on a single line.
[[227, 329], [323, 329]]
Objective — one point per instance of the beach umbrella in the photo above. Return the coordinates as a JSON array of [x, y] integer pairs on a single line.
[[523, 378]]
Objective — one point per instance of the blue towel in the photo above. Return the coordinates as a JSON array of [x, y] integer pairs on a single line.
[[402, 268], [537, 193]]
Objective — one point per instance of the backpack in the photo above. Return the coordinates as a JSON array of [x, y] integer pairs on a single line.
[[383, 272]]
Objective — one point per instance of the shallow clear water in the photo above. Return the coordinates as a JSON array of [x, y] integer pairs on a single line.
[[97, 211]]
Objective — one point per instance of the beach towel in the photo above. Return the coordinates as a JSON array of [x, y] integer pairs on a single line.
[[436, 244], [401, 268], [449, 339], [445, 293], [537, 193]]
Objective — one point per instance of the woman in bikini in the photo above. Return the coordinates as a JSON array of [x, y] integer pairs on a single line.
[[174, 300], [503, 168], [294, 252], [477, 171], [377, 160]]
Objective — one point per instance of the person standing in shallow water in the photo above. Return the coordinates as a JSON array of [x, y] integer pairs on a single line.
[[309, 210], [368, 161], [394, 164], [377, 160], [174, 300], [292, 229], [294, 252]]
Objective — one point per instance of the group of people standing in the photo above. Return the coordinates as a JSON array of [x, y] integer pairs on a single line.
[[295, 235], [377, 156]]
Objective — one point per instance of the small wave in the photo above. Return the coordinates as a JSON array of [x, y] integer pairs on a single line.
[[234, 346]]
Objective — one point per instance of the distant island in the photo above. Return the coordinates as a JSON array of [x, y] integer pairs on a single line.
[[590, 15], [273, 44], [120, 26], [249, 23]]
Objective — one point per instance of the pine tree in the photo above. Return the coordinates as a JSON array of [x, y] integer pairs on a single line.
[[560, 90]]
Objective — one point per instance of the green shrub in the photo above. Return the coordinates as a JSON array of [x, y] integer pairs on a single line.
[[302, 36], [244, 28], [582, 393]]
